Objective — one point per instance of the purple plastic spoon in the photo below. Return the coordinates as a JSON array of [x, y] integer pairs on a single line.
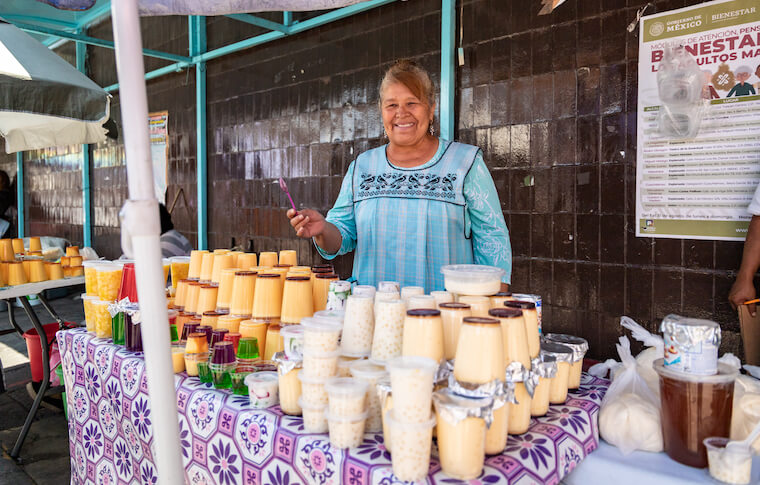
[[284, 188]]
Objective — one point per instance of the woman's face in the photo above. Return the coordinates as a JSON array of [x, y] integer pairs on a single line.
[[405, 117]]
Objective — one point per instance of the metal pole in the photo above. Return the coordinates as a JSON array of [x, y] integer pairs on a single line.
[[86, 201], [20, 192], [141, 237], [197, 30], [448, 27]]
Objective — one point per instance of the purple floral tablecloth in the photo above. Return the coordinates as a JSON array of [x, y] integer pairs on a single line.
[[225, 441]]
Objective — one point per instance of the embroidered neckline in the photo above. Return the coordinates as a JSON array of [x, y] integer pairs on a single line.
[[442, 147]]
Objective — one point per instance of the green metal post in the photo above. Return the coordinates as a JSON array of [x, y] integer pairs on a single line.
[[197, 29], [20, 191], [81, 53], [287, 18], [448, 27]]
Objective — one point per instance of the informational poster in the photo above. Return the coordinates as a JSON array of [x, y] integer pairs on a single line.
[[699, 187], [159, 151]]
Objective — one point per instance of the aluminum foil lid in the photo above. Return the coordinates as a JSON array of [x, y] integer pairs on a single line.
[[545, 366], [454, 408], [562, 353], [516, 372], [690, 333], [118, 307], [445, 369], [578, 344], [285, 365], [389, 286]]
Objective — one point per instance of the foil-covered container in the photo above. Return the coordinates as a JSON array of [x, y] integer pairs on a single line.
[[383, 389], [285, 364], [691, 345], [445, 369], [545, 366], [501, 392], [535, 299], [578, 345], [560, 352], [454, 408], [516, 372], [120, 306]]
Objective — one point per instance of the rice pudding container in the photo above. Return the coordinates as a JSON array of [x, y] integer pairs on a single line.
[[314, 420], [371, 373], [320, 364], [358, 325], [461, 432], [364, 290], [389, 329], [410, 291], [262, 389], [411, 442], [472, 279], [729, 465], [579, 347], [347, 397], [313, 393], [346, 431], [412, 387], [320, 335]]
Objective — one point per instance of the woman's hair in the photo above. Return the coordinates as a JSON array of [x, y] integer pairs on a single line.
[[414, 77], [5, 181], [166, 218]]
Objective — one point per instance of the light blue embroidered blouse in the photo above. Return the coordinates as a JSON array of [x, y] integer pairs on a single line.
[[404, 224]]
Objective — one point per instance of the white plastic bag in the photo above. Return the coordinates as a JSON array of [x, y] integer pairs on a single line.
[[679, 84], [655, 350], [629, 417]]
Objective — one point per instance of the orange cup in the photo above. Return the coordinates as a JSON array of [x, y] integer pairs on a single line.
[[72, 251], [297, 299], [206, 299], [211, 318], [321, 288], [289, 256], [191, 296], [221, 261], [16, 246], [257, 328], [4, 272], [226, 282], [37, 271], [16, 274], [35, 244], [55, 272], [25, 264], [267, 259], [77, 271], [267, 300], [181, 293], [230, 322], [196, 343], [242, 293], [221, 251], [196, 260], [246, 260], [207, 267], [274, 342]]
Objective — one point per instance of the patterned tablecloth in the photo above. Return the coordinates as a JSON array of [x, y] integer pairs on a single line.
[[225, 441]]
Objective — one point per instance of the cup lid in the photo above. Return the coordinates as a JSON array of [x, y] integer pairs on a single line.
[[505, 312], [412, 362], [455, 306], [524, 305], [291, 331], [346, 419], [423, 312], [260, 377], [472, 272], [345, 386], [726, 374], [367, 369], [321, 324]]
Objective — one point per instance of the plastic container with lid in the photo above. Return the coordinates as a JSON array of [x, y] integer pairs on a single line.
[[389, 329], [313, 391], [694, 408], [345, 431], [461, 431], [262, 389], [411, 443], [412, 386], [691, 344], [545, 366], [346, 396], [109, 279], [91, 277], [359, 324], [580, 347], [314, 420], [472, 279], [423, 334], [318, 364], [371, 373], [292, 338], [320, 334], [410, 291]]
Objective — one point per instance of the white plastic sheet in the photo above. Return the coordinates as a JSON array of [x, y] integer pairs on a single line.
[[225, 7]]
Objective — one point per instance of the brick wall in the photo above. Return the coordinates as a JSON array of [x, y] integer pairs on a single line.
[[550, 99]]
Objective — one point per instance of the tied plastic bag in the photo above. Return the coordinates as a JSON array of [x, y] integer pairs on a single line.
[[655, 350], [629, 417], [679, 84], [746, 409]]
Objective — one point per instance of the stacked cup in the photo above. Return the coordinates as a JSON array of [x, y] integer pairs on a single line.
[[247, 353], [410, 421], [370, 373], [347, 411], [222, 364], [320, 362]]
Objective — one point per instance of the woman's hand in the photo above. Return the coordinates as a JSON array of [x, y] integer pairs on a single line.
[[307, 223]]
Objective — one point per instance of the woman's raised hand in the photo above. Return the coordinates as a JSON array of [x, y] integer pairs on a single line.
[[307, 223]]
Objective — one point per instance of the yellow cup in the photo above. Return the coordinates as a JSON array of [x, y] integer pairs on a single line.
[[191, 363], [192, 295], [181, 293], [178, 358], [4, 272], [267, 259], [321, 288], [180, 265], [267, 299], [211, 318], [230, 322], [206, 299], [102, 318], [72, 251], [297, 299], [221, 251], [207, 267], [26, 264], [109, 280], [289, 256], [242, 293], [196, 260], [90, 277], [226, 282], [274, 342], [16, 273], [196, 343], [221, 261], [89, 313], [15, 246], [257, 328], [35, 244], [37, 271], [77, 271], [246, 260]]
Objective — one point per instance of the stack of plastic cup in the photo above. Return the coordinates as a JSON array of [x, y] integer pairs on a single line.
[[358, 325], [262, 389], [89, 313], [207, 330], [411, 421], [370, 373], [218, 336], [187, 329], [255, 328], [247, 354], [320, 362], [346, 411], [102, 318], [196, 350], [223, 364], [210, 318]]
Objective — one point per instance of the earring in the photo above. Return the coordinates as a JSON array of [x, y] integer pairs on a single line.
[[431, 130], [385, 135]]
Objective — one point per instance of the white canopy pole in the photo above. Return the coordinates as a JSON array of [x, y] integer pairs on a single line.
[[141, 236]]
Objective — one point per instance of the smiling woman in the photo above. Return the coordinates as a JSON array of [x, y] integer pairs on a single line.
[[415, 204]]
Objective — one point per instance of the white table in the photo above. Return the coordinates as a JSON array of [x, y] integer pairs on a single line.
[[608, 466], [21, 292]]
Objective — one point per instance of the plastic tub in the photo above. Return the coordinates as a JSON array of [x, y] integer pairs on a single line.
[[346, 431], [412, 386], [34, 348], [320, 334], [292, 337], [729, 465], [411, 443], [319, 364], [314, 420], [472, 279], [262, 389], [313, 391], [694, 408], [346, 396]]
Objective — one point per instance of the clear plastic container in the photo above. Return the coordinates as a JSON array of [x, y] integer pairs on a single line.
[[346, 396], [472, 279], [262, 389], [292, 337], [109, 280], [314, 420], [91, 277], [313, 392], [371, 372], [461, 434], [694, 408], [389, 329], [412, 386], [318, 364], [421, 301], [320, 334], [359, 324], [411, 443], [346, 431], [290, 391], [102, 318], [479, 305], [89, 312], [729, 465]]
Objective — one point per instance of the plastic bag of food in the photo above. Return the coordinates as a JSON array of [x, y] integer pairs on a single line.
[[679, 84], [629, 417], [655, 350]]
